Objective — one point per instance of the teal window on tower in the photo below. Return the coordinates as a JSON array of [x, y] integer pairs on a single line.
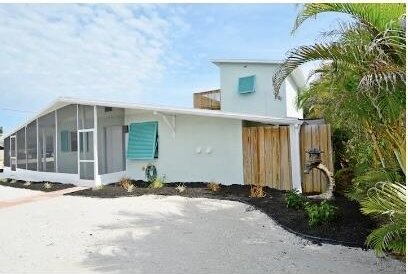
[[246, 84]]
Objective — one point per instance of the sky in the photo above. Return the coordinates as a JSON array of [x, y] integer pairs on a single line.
[[149, 54]]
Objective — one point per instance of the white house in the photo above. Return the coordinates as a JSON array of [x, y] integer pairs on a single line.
[[88, 142]]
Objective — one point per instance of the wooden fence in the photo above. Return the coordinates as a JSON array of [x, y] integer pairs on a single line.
[[267, 156], [266, 153], [207, 99], [318, 136]]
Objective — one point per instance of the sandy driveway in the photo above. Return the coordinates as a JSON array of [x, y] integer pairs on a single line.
[[153, 234]]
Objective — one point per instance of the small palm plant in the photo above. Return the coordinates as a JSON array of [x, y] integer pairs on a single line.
[[158, 182], [387, 200]]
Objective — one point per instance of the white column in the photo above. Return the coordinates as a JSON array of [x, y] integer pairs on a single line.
[[78, 142], [38, 147], [56, 143], [95, 139], [294, 131], [25, 147]]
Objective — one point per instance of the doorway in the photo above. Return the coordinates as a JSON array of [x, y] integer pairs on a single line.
[[86, 154]]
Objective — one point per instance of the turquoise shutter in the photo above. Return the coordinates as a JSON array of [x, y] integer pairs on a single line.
[[142, 141], [246, 84], [65, 141]]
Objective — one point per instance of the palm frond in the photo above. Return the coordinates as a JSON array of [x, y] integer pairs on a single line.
[[336, 53], [389, 237], [385, 199], [374, 16]]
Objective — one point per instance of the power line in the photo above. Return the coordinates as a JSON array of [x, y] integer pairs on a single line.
[[17, 110]]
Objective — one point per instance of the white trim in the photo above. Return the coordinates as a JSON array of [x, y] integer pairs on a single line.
[[95, 144], [246, 61], [38, 176], [86, 130], [56, 142], [79, 166], [25, 147], [86, 161], [63, 101], [294, 132], [38, 146]]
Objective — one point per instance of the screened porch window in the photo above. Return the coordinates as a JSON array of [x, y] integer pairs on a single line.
[[67, 139]]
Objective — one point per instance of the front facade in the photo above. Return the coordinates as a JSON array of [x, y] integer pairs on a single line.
[[93, 142]]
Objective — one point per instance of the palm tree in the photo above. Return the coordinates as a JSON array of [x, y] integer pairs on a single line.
[[360, 85]]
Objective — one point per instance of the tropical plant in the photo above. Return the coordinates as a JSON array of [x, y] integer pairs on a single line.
[[158, 182], [181, 188], [362, 75], [257, 191], [360, 86], [126, 183], [214, 186], [295, 200], [321, 213], [387, 201]]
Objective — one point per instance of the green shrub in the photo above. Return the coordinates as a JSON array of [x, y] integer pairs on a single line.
[[158, 182], [344, 181], [295, 200], [321, 213]]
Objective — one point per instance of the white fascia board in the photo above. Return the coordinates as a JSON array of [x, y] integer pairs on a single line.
[[245, 61], [63, 101]]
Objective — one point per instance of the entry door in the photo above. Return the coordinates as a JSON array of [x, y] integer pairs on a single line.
[[86, 155], [114, 149], [13, 153]]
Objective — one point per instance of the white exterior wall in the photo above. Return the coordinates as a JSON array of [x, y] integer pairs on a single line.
[[220, 141], [260, 102], [291, 97]]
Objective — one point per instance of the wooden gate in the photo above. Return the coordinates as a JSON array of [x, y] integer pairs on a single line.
[[266, 153], [267, 156], [318, 136]]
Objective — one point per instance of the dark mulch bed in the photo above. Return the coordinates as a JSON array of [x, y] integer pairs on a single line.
[[36, 185], [350, 227]]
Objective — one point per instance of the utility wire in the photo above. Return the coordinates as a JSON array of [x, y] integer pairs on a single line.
[[17, 110]]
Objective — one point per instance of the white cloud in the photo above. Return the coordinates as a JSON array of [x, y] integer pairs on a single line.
[[89, 51]]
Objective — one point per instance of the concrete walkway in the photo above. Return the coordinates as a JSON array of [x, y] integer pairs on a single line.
[[37, 197]]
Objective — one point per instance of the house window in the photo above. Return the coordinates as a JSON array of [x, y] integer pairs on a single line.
[[68, 141], [143, 141], [246, 84]]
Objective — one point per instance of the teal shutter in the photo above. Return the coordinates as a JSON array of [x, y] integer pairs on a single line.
[[65, 141], [142, 141], [246, 84]]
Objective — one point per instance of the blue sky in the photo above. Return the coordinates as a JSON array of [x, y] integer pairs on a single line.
[[153, 54]]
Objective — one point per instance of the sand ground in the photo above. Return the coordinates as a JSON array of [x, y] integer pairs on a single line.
[[155, 234]]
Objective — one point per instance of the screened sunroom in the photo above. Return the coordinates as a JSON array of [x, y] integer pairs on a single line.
[[78, 144]]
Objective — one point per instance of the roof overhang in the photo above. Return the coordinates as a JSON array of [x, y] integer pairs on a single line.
[[63, 101]]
